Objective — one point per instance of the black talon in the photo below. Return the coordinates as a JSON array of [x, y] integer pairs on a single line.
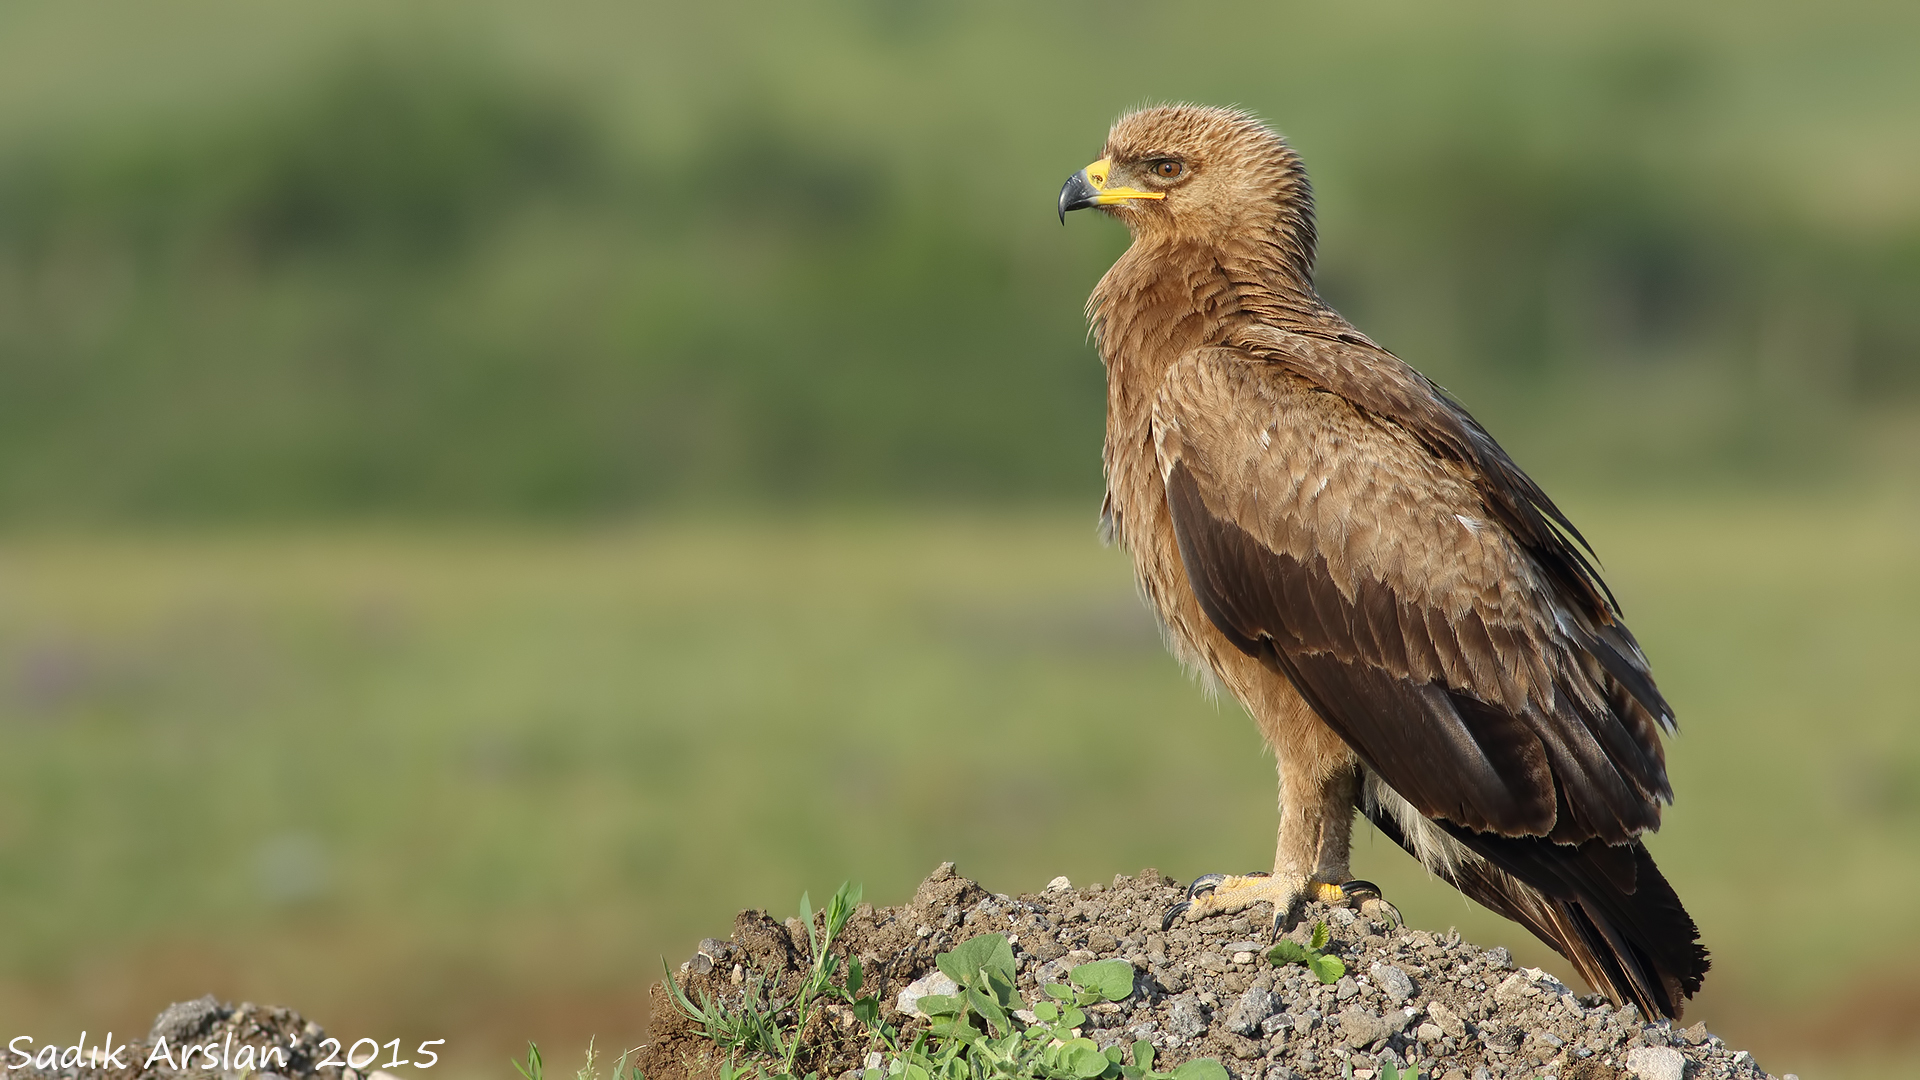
[[1393, 913], [1174, 912], [1366, 892], [1360, 890], [1202, 885], [1205, 883]]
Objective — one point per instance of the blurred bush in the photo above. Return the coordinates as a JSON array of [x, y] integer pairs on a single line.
[[425, 278]]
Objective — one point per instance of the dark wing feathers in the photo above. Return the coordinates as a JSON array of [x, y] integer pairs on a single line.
[[1477, 766], [1646, 951], [1458, 641], [1653, 950], [1383, 385], [1613, 645], [1476, 701]]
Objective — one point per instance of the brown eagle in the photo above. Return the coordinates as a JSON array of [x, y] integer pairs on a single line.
[[1414, 626]]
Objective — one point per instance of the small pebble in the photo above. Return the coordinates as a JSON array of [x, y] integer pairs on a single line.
[[1392, 982], [1251, 1010], [937, 983], [1656, 1063], [1185, 1018]]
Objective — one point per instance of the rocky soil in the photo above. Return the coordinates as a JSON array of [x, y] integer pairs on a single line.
[[1205, 989], [225, 1029], [1454, 1010]]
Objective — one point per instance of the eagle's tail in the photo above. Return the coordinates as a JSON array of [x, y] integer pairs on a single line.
[[1604, 907]]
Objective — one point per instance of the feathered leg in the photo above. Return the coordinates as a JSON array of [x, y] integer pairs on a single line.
[[1319, 784]]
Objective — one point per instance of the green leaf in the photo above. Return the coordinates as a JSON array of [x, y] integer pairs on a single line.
[[988, 1008], [1059, 992], [691, 1011], [533, 1069], [1320, 936], [1287, 952], [1083, 1059], [1111, 979], [1143, 1054], [1073, 1018], [981, 1003], [840, 908], [1114, 1054], [938, 1005], [986, 953], [1200, 1069], [854, 975], [1327, 969], [1046, 1011], [1001, 989]]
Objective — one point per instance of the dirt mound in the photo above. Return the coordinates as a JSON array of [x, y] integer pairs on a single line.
[[1206, 989], [202, 1037]]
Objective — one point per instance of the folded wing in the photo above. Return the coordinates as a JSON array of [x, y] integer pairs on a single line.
[[1334, 544], [1430, 609]]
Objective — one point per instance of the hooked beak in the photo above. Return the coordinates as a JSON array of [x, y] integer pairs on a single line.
[[1088, 187]]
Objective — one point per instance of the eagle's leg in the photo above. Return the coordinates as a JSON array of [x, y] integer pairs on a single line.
[[1318, 784]]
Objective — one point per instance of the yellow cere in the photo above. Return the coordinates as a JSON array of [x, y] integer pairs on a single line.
[[1100, 171]]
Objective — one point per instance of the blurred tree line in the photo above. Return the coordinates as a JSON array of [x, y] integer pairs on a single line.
[[424, 280]]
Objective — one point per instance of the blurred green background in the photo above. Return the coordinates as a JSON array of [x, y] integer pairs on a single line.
[[487, 490]]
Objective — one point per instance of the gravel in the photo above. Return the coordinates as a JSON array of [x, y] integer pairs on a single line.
[[1454, 1010], [208, 1022], [1656, 1063], [1251, 1011], [1205, 989]]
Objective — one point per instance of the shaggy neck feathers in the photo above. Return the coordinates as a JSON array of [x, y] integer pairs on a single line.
[[1235, 249]]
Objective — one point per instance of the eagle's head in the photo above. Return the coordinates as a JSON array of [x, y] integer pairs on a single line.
[[1198, 174]]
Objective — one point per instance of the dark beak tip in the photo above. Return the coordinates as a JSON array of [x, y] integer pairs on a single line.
[[1076, 194]]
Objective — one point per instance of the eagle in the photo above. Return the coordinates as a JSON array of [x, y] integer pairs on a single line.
[[1419, 633]]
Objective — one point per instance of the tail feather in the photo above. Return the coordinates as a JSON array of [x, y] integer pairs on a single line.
[[1606, 908]]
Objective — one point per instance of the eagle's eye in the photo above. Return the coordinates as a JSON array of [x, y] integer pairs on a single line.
[[1167, 168]]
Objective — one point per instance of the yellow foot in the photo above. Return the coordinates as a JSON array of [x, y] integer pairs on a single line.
[[1224, 894]]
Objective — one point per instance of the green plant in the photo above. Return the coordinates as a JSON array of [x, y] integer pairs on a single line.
[[1049, 1048], [532, 1068], [768, 1028], [1326, 968], [748, 1027], [535, 1069], [978, 1032]]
